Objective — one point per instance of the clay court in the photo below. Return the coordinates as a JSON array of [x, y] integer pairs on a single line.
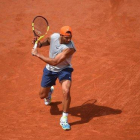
[[106, 79]]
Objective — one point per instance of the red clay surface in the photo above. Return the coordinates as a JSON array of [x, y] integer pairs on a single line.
[[106, 81]]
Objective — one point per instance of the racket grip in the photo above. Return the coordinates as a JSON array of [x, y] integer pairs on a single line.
[[35, 46]]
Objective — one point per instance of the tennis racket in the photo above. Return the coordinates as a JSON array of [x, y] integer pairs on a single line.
[[40, 27]]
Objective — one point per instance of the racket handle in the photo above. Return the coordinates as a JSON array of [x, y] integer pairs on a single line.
[[35, 46]]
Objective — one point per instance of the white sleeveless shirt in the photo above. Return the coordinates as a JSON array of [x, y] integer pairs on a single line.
[[56, 48]]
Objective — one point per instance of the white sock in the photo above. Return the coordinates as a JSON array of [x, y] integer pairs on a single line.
[[65, 114], [64, 117]]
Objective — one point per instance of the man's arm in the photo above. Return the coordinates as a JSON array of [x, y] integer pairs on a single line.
[[46, 42], [58, 59]]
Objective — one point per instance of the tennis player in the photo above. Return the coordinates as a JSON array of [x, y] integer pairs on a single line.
[[58, 66]]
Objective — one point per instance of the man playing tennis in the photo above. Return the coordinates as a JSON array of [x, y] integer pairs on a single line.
[[58, 66]]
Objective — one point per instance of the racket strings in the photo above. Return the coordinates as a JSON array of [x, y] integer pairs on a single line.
[[40, 26]]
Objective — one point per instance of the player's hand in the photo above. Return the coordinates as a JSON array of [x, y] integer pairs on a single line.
[[34, 52], [34, 40]]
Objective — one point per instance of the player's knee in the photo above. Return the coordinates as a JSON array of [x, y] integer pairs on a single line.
[[41, 95], [66, 93]]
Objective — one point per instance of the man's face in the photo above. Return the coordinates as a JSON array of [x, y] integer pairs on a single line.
[[66, 39]]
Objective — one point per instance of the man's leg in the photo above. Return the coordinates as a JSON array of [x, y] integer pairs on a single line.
[[46, 93], [48, 79], [66, 85], [43, 93]]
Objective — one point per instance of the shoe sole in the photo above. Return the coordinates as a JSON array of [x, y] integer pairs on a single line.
[[64, 128]]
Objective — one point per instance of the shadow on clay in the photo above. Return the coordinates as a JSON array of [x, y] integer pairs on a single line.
[[86, 112]]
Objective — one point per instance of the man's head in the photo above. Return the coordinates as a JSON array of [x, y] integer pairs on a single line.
[[66, 34]]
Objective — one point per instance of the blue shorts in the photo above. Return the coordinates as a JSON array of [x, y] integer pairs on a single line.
[[49, 77]]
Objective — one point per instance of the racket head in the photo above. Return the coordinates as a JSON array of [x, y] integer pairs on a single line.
[[40, 26]]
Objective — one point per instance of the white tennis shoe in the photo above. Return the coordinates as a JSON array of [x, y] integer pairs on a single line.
[[47, 100], [64, 123]]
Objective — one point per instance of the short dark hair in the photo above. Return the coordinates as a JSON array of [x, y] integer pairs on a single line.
[[68, 32]]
